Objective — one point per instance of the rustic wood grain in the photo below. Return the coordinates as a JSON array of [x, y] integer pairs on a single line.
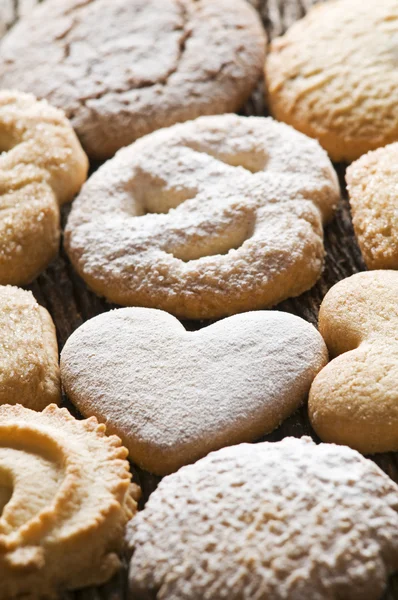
[[70, 303]]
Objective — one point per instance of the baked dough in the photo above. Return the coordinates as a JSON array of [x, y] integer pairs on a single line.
[[42, 166], [372, 183], [284, 520], [173, 395], [205, 219], [65, 498], [334, 76], [354, 399], [121, 69], [29, 371]]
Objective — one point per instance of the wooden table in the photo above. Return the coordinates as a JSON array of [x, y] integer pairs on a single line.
[[70, 303]]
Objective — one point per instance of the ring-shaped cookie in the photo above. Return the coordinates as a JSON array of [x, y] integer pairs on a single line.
[[206, 218], [42, 166]]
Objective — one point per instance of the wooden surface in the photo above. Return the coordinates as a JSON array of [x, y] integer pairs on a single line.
[[70, 303]]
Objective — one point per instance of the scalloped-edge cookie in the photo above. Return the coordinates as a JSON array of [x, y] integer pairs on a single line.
[[42, 166], [334, 76], [29, 370], [286, 520], [65, 498], [174, 395]]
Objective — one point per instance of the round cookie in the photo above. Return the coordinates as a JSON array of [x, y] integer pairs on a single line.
[[29, 372], [123, 69], [284, 520], [372, 183], [333, 76], [354, 399], [173, 395], [42, 166], [206, 218], [65, 498]]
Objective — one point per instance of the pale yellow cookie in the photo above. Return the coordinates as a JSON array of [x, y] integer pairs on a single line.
[[354, 399], [29, 372], [372, 183], [334, 76], [65, 497], [285, 521], [123, 68], [42, 166], [207, 218]]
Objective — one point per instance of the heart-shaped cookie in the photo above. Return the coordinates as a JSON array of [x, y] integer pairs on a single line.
[[173, 395]]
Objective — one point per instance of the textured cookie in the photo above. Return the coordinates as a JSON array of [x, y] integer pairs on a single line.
[[29, 372], [373, 191], [206, 218], [65, 497], [42, 166], [354, 399], [173, 395], [289, 520], [123, 69], [334, 76]]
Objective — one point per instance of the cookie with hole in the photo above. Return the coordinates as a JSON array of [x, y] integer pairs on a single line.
[[205, 219]]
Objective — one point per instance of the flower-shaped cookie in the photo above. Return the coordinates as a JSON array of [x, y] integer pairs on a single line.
[[354, 399], [65, 498]]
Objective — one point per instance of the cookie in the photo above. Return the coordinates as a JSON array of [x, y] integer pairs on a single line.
[[354, 399], [123, 69], [173, 395], [65, 498], [41, 167], [333, 76], [29, 372], [372, 183], [206, 218], [284, 520]]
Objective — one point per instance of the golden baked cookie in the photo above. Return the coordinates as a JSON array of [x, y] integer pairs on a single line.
[[42, 166], [284, 521], [121, 69], [354, 399], [65, 498], [173, 395], [29, 372], [372, 183], [206, 218], [334, 76]]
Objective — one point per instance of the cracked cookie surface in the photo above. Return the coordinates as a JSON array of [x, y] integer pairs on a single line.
[[65, 497], [123, 69], [206, 218], [334, 76], [271, 520]]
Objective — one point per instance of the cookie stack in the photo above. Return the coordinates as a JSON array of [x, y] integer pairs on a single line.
[[195, 222]]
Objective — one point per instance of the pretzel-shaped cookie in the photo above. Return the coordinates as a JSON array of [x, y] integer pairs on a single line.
[[206, 218], [41, 167], [65, 497], [354, 399]]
